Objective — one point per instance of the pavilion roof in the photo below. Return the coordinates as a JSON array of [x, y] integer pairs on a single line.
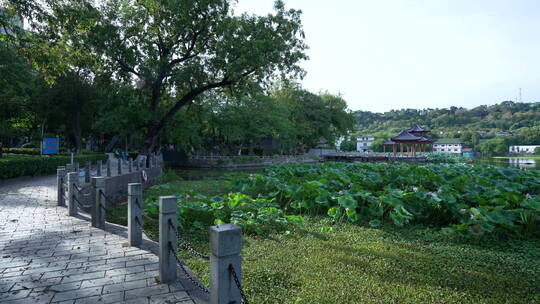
[[388, 143], [426, 139], [417, 128], [406, 136]]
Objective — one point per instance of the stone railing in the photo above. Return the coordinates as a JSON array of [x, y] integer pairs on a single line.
[[116, 175], [225, 240]]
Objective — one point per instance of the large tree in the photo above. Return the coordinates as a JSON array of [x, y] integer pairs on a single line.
[[16, 84], [172, 51]]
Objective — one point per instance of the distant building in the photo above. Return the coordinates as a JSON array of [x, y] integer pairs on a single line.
[[364, 144], [448, 145], [468, 153], [504, 133], [482, 133], [522, 149]]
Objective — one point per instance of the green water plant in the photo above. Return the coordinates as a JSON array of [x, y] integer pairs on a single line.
[[467, 198]]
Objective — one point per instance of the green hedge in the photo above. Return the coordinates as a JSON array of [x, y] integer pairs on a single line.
[[17, 166], [27, 151], [37, 151]]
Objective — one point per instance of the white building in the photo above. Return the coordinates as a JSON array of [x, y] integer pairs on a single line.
[[522, 149], [448, 145], [364, 144]]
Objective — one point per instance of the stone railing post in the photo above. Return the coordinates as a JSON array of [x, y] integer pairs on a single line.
[[137, 164], [60, 181], [130, 165], [134, 214], [72, 179], [98, 211], [87, 172], [98, 169], [167, 238], [226, 247], [109, 167], [76, 169], [119, 165]]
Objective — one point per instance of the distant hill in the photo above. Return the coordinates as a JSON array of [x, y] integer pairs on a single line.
[[506, 116], [479, 128]]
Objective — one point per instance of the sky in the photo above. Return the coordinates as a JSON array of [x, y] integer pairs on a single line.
[[393, 54]]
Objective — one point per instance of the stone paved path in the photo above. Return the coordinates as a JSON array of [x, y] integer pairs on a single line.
[[47, 256]]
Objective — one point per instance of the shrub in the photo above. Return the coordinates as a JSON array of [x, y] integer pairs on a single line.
[[448, 158], [27, 151], [18, 166], [133, 155], [31, 144]]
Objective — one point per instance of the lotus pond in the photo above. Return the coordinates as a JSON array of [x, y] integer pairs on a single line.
[[455, 197], [370, 232]]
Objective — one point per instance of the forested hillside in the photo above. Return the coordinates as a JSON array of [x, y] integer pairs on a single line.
[[523, 119]]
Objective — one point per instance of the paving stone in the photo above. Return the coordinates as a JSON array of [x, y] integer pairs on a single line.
[[79, 293], [47, 256], [170, 297], [147, 291], [34, 298], [107, 298], [124, 286], [103, 281]]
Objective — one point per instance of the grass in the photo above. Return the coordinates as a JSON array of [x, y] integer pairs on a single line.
[[524, 156], [354, 264]]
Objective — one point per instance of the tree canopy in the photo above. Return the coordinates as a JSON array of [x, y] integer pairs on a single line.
[[170, 51]]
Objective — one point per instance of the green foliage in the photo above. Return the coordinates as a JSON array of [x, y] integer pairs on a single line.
[[476, 199], [494, 146], [537, 151], [445, 158], [184, 49], [235, 125], [20, 165], [348, 145], [170, 176], [313, 117], [16, 84], [27, 151], [503, 116], [254, 215]]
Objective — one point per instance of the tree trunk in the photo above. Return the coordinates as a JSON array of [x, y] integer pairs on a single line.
[[240, 150], [76, 131], [111, 144], [251, 147]]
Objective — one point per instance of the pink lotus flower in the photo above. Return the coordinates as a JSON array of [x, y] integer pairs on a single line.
[[341, 192], [528, 196], [415, 189], [463, 211]]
